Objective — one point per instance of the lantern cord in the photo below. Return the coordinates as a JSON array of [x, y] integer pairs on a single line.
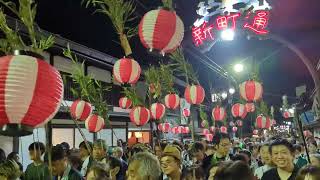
[[84, 138]]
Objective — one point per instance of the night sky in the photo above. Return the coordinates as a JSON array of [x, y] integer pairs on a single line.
[[280, 73]]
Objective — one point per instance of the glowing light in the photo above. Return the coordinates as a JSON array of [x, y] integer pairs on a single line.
[[224, 95], [259, 24], [138, 134], [202, 33], [214, 97], [238, 68], [232, 90], [291, 110], [227, 35]]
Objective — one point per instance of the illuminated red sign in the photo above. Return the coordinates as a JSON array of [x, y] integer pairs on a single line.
[[255, 22]]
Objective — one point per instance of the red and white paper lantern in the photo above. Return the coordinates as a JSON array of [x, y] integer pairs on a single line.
[[31, 91], [162, 30], [239, 123], [223, 129], [186, 112], [125, 103], [172, 101], [219, 113], [287, 114], [250, 107], [194, 94], [186, 130], [234, 129], [251, 90], [255, 132], [209, 137], [157, 110], [164, 127], [94, 123], [174, 130], [139, 115], [126, 70], [213, 129], [205, 131], [80, 110], [239, 110], [263, 122]]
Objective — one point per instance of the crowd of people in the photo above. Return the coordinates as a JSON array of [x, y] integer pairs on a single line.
[[221, 159]]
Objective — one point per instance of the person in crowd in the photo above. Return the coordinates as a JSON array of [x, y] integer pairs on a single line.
[[199, 174], [115, 167], [309, 172], [66, 147], [15, 157], [171, 162], [158, 149], [99, 152], [9, 170], [313, 147], [237, 170], [214, 168], [315, 160], [265, 159], [118, 153], [197, 151], [247, 154], [37, 170], [74, 159], [222, 144], [98, 171], [85, 156], [61, 169], [2, 156], [299, 161], [210, 150], [282, 154], [143, 166], [240, 157]]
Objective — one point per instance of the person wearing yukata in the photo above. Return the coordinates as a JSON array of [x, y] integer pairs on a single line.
[[37, 170], [85, 157], [61, 169], [282, 155]]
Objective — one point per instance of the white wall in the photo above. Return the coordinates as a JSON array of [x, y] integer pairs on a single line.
[[6, 143]]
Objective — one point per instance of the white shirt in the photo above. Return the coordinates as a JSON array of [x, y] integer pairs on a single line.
[[84, 167], [261, 170]]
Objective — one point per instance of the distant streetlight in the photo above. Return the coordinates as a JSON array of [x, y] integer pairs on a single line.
[[224, 95], [227, 35], [232, 90], [238, 68]]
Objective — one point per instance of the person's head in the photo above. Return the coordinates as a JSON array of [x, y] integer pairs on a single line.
[[158, 148], [265, 154], [315, 160], [255, 150], [240, 157], [309, 172], [117, 152], [222, 143], [237, 170], [143, 166], [197, 151], [9, 170], [297, 149], [84, 151], [214, 168], [36, 150], [205, 143], [59, 160], [99, 149], [115, 166], [187, 174], [14, 156], [247, 155], [98, 171], [282, 153], [2, 156], [170, 160], [312, 147]]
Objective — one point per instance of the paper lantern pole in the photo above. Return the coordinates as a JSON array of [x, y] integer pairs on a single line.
[[299, 123], [83, 136]]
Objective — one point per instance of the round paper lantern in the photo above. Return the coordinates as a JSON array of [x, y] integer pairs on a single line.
[[239, 110], [157, 110], [239, 123], [125, 103], [139, 115], [273, 122], [204, 123], [218, 113], [174, 130], [80, 110], [172, 101], [255, 132], [164, 127], [223, 129], [94, 123], [161, 30], [250, 107], [234, 129], [186, 112], [186, 130], [263, 122], [205, 131], [126, 70], [213, 129], [31, 91], [287, 114], [209, 137], [307, 133], [194, 94], [251, 90]]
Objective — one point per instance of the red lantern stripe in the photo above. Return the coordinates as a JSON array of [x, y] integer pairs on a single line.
[[172, 101], [80, 110], [157, 110], [5, 64], [140, 116], [177, 35], [94, 123], [125, 103], [161, 25]]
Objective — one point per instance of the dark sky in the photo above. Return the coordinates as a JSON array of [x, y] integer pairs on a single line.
[[295, 20]]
